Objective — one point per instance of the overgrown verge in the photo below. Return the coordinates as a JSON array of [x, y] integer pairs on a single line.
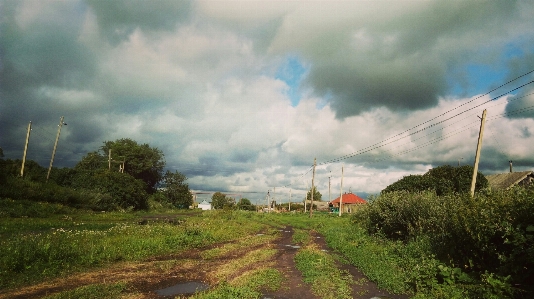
[[454, 246]]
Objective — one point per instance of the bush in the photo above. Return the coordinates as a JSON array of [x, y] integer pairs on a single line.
[[119, 190], [23, 189], [490, 237], [443, 180]]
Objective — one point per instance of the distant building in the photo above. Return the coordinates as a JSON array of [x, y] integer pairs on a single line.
[[350, 202], [319, 205], [509, 179], [204, 205]]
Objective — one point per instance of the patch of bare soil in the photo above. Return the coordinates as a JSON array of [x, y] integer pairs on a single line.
[[146, 277]]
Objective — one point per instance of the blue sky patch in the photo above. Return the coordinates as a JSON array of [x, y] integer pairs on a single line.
[[476, 79], [292, 71]]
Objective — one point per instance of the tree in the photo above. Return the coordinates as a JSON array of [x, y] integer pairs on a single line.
[[443, 180], [140, 160], [316, 194], [221, 201], [124, 190], [176, 190], [411, 183], [93, 161], [245, 204]]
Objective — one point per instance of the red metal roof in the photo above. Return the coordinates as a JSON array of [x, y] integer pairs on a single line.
[[349, 198]]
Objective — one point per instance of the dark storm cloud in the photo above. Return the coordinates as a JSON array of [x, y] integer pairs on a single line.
[[37, 56], [117, 19], [404, 62], [354, 91], [43, 53]]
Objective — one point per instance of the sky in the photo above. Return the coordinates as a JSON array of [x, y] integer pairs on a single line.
[[242, 96]]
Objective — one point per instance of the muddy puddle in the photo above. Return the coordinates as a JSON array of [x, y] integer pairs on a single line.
[[185, 288]]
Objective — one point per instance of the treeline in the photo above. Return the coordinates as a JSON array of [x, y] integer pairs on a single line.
[[121, 175], [467, 247]]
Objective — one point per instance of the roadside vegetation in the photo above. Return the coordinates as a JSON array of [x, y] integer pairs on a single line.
[[423, 236]]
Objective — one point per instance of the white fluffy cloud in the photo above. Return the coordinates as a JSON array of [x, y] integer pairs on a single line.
[[200, 80]]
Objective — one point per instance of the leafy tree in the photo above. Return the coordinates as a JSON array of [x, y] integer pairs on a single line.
[[221, 201], [140, 160], [316, 194], [32, 170], [93, 161], [63, 176], [412, 183], [124, 190], [245, 204], [442, 180], [176, 190]]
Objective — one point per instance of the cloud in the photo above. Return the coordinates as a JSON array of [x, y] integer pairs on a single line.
[[371, 55], [118, 19], [243, 95]]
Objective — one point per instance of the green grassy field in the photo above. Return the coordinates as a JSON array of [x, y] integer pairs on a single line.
[[42, 241]]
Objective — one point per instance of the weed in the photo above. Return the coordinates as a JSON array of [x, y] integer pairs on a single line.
[[95, 291]]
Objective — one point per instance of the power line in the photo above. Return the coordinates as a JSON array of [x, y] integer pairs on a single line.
[[383, 143]]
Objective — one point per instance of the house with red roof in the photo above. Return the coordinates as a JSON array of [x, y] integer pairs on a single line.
[[349, 202]]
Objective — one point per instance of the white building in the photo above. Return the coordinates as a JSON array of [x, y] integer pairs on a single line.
[[204, 205]]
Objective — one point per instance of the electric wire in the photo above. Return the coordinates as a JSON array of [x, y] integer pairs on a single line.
[[383, 143]]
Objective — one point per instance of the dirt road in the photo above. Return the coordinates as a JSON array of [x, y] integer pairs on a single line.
[[209, 266]]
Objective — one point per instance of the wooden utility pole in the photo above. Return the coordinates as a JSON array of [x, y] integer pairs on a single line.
[[109, 159], [306, 199], [55, 146], [313, 186], [25, 149], [329, 196], [268, 202], [477, 155], [289, 200], [341, 192]]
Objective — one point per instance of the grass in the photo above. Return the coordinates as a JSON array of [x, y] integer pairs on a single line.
[[40, 249], [95, 291], [35, 249], [243, 243], [250, 258], [319, 269], [250, 285], [301, 236]]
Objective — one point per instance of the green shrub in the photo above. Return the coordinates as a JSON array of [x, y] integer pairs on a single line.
[[485, 243]]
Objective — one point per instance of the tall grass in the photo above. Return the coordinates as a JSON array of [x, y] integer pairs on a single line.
[[33, 256]]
